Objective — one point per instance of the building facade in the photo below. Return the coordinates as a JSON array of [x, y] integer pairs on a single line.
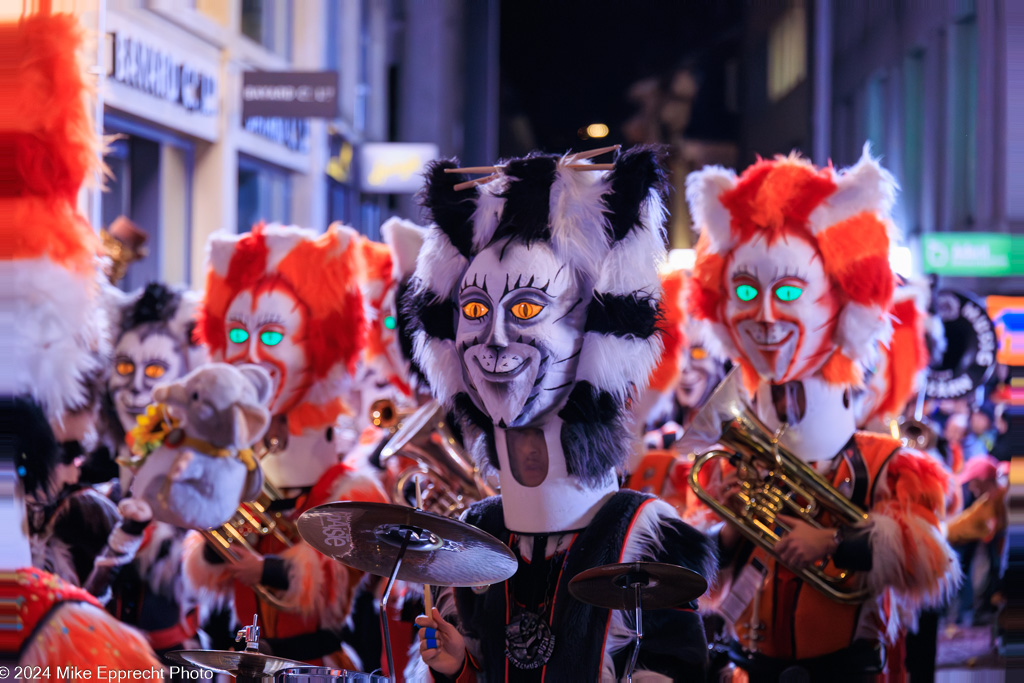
[[185, 163], [931, 86]]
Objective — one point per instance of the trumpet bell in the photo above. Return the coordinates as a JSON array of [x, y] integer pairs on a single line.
[[449, 480], [914, 433]]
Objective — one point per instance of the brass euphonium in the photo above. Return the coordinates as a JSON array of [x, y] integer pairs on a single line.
[[773, 482], [252, 521], [449, 481]]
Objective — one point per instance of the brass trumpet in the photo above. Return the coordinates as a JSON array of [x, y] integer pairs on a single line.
[[252, 521], [773, 482], [386, 415], [913, 433], [449, 480]]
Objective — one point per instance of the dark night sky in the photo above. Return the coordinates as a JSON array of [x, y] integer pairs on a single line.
[[568, 63]]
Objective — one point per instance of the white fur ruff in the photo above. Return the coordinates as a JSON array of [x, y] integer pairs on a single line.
[[632, 264], [404, 239], [440, 265], [439, 359], [579, 232], [57, 333], [860, 330], [489, 207], [619, 365]]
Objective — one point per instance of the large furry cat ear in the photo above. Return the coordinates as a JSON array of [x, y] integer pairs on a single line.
[[405, 239], [704, 189], [864, 187], [450, 209], [637, 173]]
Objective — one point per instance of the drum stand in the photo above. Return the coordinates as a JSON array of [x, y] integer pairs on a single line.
[[624, 586], [406, 537], [637, 582]]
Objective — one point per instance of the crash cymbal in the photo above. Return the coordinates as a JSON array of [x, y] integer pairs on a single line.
[[241, 665], [440, 551], [661, 585]]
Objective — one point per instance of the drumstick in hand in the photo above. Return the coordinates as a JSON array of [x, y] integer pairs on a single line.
[[428, 599]]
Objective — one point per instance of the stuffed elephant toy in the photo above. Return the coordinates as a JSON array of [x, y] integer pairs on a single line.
[[203, 469]]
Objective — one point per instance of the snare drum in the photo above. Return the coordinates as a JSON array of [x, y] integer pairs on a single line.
[[325, 674]]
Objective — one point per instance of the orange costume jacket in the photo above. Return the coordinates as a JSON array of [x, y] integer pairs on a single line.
[[55, 631], [900, 556]]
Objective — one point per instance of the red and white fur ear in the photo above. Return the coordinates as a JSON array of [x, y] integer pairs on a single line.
[[865, 186], [219, 250], [405, 239], [703, 191]]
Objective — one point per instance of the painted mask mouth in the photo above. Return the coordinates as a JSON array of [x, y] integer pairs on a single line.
[[502, 375], [503, 378], [769, 336], [133, 404]]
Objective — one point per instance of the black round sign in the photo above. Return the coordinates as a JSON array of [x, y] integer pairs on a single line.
[[970, 355]]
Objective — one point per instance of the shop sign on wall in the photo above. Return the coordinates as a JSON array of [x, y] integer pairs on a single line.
[[162, 75], [394, 167], [973, 254], [290, 133], [290, 94]]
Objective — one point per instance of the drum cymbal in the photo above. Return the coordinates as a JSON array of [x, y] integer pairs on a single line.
[[244, 665], [661, 585], [440, 552]]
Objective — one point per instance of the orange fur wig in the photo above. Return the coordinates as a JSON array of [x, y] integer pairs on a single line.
[[843, 215], [322, 272]]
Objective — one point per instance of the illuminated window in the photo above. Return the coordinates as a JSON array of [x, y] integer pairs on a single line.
[[787, 52]]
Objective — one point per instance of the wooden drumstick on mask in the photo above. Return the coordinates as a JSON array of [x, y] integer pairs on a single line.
[[428, 599]]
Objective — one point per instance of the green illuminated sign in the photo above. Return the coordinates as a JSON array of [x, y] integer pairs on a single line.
[[974, 254]]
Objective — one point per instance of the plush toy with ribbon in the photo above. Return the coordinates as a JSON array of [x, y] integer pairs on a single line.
[[193, 449]]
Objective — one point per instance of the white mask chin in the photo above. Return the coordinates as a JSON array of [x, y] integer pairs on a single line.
[[827, 422], [302, 462], [560, 502]]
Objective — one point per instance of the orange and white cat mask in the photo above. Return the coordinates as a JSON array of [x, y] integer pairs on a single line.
[[56, 338], [387, 267], [288, 300], [792, 273]]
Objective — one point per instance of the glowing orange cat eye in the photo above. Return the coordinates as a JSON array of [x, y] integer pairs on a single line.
[[125, 367], [525, 310], [475, 310], [697, 353], [154, 371]]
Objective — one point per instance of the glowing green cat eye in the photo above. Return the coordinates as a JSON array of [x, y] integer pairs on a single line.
[[788, 293], [237, 335], [390, 323], [746, 292], [271, 337]]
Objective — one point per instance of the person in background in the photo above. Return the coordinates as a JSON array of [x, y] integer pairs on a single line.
[[951, 443], [982, 525], [981, 437], [1001, 449], [287, 299]]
